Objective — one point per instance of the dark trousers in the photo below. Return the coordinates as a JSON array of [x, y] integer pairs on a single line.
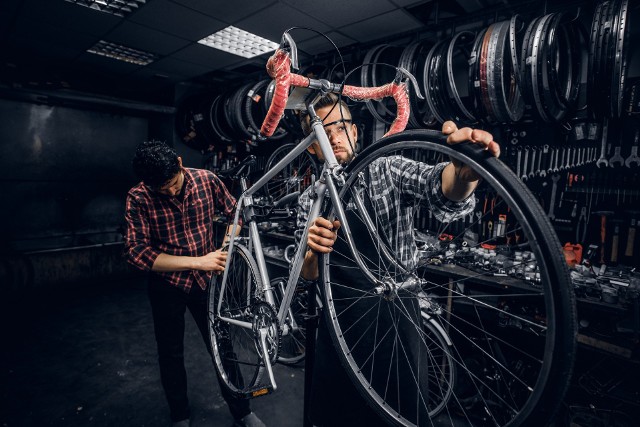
[[168, 305]]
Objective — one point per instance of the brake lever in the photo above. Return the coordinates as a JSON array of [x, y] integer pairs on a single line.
[[403, 71], [289, 45]]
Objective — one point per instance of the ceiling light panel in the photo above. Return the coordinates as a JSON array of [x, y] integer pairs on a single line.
[[114, 7], [239, 42], [122, 53]]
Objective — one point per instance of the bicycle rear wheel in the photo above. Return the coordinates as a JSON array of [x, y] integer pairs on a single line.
[[293, 343], [234, 347], [504, 291]]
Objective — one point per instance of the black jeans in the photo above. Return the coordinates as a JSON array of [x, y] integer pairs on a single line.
[[168, 305]]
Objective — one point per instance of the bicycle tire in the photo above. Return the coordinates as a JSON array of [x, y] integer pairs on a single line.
[[513, 342], [292, 344], [290, 179], [233, 347]]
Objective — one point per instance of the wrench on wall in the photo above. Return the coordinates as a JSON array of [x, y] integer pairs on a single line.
[[602, 161]]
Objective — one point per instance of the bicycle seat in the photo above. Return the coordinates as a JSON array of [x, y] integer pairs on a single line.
[[287, 200], [238, 171]]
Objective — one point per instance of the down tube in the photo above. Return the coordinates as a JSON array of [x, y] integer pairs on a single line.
[[298, 259]]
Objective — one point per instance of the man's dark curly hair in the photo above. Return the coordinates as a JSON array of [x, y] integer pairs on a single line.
[[155, 163], [328, 100]]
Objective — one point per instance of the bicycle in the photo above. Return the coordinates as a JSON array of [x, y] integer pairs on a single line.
[[471, 342]]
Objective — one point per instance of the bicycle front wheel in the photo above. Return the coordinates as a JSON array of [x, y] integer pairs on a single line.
[[234, 348], [502, 291]]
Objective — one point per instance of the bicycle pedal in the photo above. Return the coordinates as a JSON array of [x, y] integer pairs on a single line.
[[257, 392]]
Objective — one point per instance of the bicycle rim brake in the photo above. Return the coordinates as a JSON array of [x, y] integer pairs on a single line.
[[475, 324]]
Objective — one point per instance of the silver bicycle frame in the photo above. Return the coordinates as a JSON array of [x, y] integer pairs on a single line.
[[327, 181]]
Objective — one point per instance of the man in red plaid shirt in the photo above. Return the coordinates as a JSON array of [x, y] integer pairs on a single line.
[[170, 235]]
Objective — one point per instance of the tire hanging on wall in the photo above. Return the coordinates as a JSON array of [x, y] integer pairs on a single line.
[[374, 73], [254, 111], [412, 59], [552, 68], [189, 120]]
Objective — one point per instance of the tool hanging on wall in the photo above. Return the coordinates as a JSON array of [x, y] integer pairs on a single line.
[[614, 244], [602, 161], [633, 159], [603, 232], [581, 225], [631, 237], [552, 202]]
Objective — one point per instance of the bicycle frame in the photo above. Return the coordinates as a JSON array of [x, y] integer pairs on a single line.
[[330, 173]]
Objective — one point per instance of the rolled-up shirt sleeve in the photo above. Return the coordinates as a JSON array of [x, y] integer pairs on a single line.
[[224, 199], [138, 249], [423, 181], [444, 209]]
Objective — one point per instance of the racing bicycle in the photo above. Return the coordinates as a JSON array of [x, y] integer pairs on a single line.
[[476, 326]]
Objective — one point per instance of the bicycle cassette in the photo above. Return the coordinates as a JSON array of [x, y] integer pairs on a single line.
[[264, 316]]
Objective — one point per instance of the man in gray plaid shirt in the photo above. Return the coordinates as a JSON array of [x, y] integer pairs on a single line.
[[446, 189]]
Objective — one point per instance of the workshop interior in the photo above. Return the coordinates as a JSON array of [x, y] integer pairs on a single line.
[[83, 82]]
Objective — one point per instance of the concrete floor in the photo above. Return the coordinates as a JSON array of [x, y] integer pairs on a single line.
[[87, 357]]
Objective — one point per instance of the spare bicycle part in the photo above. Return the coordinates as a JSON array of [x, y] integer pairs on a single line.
[[412, 59], [552, 61]]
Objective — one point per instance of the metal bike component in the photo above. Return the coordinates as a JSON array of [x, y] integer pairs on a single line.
[[464, 114]]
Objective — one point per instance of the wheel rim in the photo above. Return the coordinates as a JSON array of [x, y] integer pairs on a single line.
[[503, 378], [293, 342]]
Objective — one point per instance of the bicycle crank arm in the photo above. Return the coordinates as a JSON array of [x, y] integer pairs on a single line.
[[265, 357]]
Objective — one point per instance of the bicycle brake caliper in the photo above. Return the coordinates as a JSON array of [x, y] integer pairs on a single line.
[[403, 71]]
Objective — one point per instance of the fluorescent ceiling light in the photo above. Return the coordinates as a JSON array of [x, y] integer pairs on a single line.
[[239, 42], [122, 53], [115, 7]]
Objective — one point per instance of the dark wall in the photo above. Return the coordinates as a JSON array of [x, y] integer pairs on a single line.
[[65, 173]]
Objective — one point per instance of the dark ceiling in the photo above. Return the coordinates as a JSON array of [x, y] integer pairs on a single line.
[[43, 43]]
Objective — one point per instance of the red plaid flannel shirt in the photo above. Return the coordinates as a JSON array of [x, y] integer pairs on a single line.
[[163, 224]]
